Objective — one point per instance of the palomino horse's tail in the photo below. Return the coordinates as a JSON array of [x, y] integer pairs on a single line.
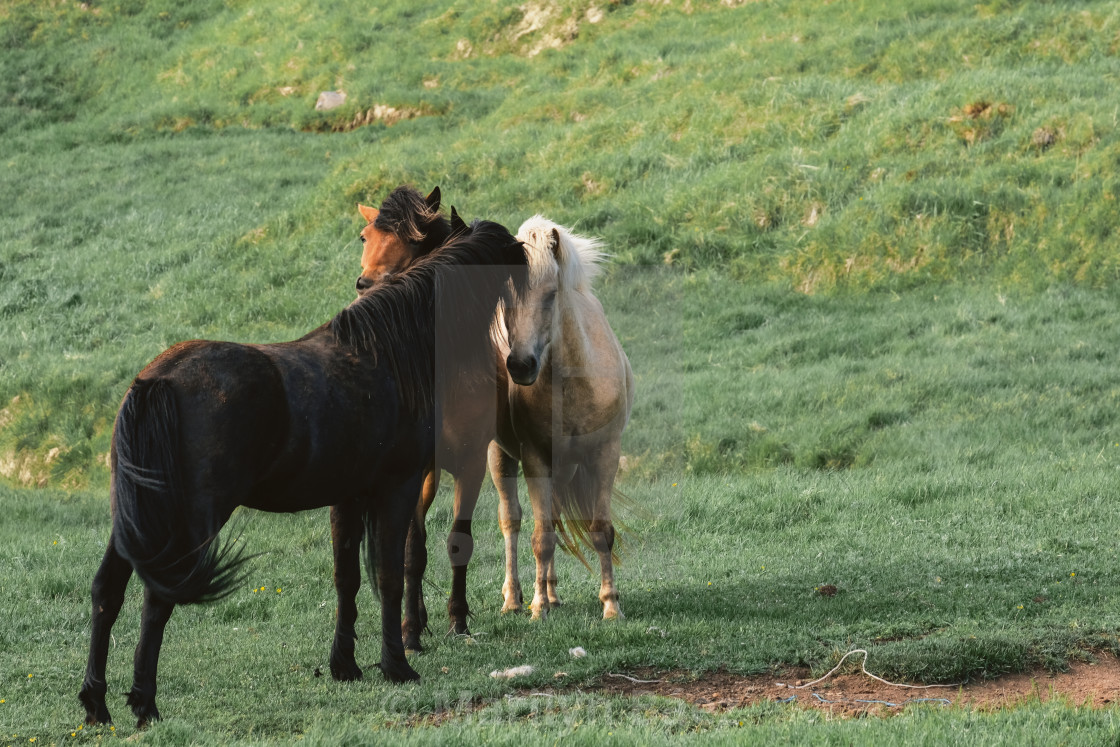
[[573, 509], [173, 550]]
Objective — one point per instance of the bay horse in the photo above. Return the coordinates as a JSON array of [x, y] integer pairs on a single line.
[[398, 234], [570, 395], [343, 416]]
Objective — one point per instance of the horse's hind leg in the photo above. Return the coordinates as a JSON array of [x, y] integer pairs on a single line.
[[460, 542], [503, 470], [346, 539], [107, 593], [142, 697], [392, 526], [415, 563], [602, 530]]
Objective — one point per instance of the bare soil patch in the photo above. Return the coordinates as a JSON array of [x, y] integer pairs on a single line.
[[1094, 684]]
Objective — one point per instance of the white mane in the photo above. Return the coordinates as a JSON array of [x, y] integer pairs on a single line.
[[574, 263]]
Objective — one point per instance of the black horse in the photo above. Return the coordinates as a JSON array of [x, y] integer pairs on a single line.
[[344, 416]]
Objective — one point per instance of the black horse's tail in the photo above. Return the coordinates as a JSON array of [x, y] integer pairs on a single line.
[[172, 549]]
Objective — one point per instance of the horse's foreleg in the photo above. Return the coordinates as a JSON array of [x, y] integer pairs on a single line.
[[550, 571], [415, 563], [346, 540], [503, 470], [544, 538], [107, 594], [393, 516], [153, 620], [460, 542]]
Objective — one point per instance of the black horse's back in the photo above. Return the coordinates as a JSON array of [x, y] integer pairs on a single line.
[[149, 513]]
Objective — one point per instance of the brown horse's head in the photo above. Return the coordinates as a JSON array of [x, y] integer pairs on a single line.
[[406, 227], [383, 253]]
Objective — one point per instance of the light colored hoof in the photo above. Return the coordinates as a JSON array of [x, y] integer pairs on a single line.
[[539, 613], [511, 598], [613, 612]]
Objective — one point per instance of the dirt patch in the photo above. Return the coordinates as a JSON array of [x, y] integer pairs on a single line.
[[1094, 684]]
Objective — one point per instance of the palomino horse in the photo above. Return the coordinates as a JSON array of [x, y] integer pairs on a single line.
[[570, 395], [342, 416], [402, 231], [391, 243]]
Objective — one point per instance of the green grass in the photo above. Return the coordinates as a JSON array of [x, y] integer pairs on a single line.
[[937, 580], [864, 267]]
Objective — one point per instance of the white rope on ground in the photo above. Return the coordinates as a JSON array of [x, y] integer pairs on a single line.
[[863, 667], [625, 677]]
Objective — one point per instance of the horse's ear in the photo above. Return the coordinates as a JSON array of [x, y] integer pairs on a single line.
[[370, 214], [433, 199], [556, 244], [458, 226]]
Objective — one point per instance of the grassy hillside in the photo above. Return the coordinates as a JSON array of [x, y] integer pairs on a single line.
[[864, 267], [170, 177], [822, 144]]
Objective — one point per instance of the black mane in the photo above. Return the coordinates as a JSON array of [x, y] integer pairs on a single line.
[[406, 214], [438, 311]]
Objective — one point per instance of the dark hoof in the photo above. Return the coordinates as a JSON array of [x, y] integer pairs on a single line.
[[345, 671], [96, 710], [410, 634], [459, 627], [399, 672], [143, 707]]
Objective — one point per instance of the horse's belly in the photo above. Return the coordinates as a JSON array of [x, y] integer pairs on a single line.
[[333, 478]]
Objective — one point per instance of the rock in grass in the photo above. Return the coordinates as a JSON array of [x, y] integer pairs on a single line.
[[509, 674], [330, 100]]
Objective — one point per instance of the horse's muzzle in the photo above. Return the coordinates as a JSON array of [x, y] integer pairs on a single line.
[[523, 371]]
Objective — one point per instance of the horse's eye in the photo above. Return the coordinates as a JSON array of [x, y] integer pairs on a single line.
[[362, 237]]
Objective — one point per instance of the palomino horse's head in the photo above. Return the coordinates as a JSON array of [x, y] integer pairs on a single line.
[[406, 227], [561, 264]]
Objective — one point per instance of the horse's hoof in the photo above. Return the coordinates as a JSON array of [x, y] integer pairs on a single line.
[[400, 673], [459, 626], [143, 708], [346, 671], [96, 710], [512, 601], [412, 643]]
